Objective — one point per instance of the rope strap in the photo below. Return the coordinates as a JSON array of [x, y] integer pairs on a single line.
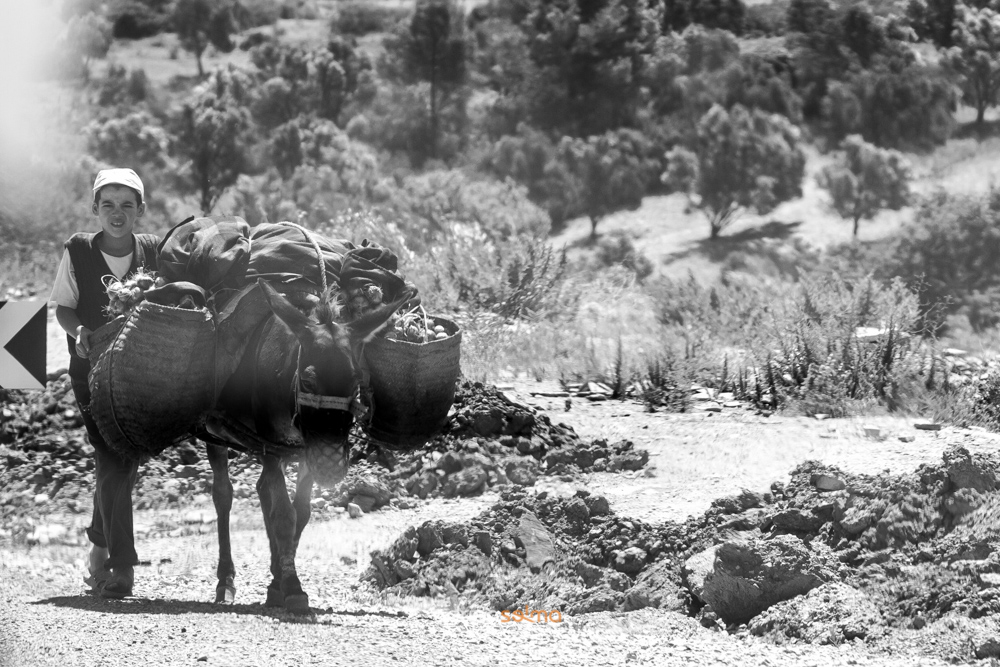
[[315, 244]]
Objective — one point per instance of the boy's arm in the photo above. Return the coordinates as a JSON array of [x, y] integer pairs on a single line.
[[70, 322]]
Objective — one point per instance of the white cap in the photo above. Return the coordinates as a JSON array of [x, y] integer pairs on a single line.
[[125, 177]]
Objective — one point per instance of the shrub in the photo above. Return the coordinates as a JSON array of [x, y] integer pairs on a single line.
[[948, 252], [136, 19], [122, 87], [618, 249], [362, 18], [136, 139]]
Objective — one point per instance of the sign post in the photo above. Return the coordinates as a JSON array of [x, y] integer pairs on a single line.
[[22, 344]]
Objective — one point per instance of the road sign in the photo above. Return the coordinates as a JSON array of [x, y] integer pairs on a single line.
[[22, 344]]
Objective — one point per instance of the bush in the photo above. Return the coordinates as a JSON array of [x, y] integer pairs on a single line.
[[362, 18], [948, 252], [617, 248], [136, 19], [778, 343], [122, 87]]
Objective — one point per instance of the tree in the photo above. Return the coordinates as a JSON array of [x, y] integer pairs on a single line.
[[896, 104], [866, 180], [741, 159], [136, 138], [431, 49], [211, 136], [605, 173], [199, 23], [88, 37], [975, 57]]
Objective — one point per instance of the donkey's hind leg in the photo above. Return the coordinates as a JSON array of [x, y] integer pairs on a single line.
[[222, 496]]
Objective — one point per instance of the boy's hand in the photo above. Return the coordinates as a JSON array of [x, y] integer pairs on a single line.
[[83, 341]]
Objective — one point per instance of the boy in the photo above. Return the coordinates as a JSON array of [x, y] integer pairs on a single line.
[[81, 307]]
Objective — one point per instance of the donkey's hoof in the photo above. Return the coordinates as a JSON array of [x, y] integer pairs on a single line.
[[225, 594], [297, 603], [275, 598]]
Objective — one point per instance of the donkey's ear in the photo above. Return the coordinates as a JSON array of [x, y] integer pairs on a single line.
[[366, 326], [283, 309]]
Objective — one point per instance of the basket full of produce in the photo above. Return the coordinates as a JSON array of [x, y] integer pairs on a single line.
[[412, 373], [152, 367]]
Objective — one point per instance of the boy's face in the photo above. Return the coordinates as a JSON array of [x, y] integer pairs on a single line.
[[117, 210]]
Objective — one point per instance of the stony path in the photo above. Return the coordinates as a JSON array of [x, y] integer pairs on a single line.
[[46, 619]]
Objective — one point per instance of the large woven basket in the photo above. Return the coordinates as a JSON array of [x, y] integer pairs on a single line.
[[154, 378], [413, 386]]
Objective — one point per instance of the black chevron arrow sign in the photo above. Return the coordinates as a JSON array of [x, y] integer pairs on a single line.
[[22, 344]]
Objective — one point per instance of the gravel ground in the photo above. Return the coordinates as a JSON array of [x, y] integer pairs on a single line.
[[47, 618]]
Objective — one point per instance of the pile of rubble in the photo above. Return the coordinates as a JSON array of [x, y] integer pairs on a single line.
[[490, 441], [827, 558]]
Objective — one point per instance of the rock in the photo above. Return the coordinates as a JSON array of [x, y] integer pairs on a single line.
[[629, 561], [454, 533], [591, 574], [364, 503], [318, 503], [405, 546], [404, 570], [828, 614], [577, 514], [962, 501], [186, 472], [742, 579], [369, 485], [422, 485], [469, 481], [597, 599], [449, 463], [597, 505], [796, 519], [741, 502], [633, 460], [540, 549], [659, 587], [522, 471], [483, 541], [354, 511], [824, 482], [856, 519], [927, 426], [968, 471], [429, 538]]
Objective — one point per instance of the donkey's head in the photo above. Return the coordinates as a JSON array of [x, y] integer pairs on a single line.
[[327, 375]]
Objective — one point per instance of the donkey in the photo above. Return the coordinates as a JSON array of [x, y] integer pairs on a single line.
[[293, 391]]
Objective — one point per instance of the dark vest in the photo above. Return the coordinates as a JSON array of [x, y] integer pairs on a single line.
[[90, 268]]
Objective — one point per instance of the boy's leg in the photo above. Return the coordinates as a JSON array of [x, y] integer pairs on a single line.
[[114, 478]]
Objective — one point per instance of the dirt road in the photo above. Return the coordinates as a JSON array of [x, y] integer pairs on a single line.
[[46, 618]]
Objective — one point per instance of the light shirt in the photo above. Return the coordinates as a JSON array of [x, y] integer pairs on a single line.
[[65, 291]]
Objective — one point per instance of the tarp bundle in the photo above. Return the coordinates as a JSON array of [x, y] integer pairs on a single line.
[[224, 252]]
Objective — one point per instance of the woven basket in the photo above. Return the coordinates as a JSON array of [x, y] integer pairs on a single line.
[[413, 386], [154, 378]]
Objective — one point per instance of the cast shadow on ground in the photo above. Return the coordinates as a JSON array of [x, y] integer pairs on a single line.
[[719, 248], [138, 605]]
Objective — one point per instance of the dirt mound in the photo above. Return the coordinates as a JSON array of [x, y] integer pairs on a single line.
[[883, 553], [490, 441]]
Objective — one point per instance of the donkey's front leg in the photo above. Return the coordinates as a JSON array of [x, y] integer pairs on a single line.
[[222, 496], [282, 533]]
